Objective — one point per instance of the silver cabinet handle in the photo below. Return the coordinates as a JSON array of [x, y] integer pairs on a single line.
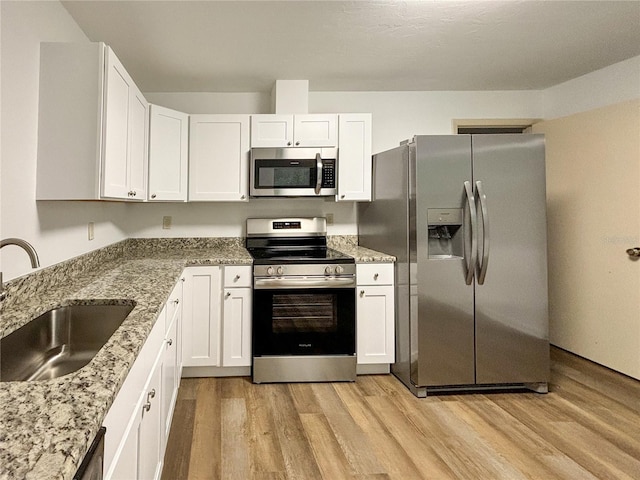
[[318, 173], [176, 301], [362, 293], [471, 262], [634, 252], [342, 196], [242, 197], [170, 341], [297, 143], [153, 195], [147, 406], [484, 261], [236, 278], [151, 394], [375, 276], [288, 144], [227, 295]]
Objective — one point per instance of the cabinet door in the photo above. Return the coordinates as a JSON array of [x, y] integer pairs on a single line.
[[219, 158], [124, 158], [272, 130], [375, 324], [138, 153], [168, 154], [319, 130], [201, 317], [125, 466], [115, 146], [170, 377], [149, 429], [354, 163], [236, 343]]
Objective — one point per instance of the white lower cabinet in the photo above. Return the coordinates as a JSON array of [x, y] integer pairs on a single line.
[[217, 316], [150, 437], [139, 420], [201, 316], [375, 313]]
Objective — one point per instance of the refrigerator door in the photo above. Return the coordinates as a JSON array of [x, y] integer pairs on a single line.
[[440, 253], [512, 343]]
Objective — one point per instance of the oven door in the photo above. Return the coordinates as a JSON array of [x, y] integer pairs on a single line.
[[315, 319]]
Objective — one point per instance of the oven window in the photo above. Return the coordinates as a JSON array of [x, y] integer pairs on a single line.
[[304, 313]]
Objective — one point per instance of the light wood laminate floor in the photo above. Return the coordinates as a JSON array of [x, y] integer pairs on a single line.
[[587, 427]]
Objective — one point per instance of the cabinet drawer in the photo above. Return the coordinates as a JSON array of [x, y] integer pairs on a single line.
[[374, 273], [237, 276]]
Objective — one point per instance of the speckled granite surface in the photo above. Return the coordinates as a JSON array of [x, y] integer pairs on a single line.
[[46, 427]]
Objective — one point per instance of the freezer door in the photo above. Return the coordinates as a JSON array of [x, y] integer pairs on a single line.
[[512, 343], [442, 333]]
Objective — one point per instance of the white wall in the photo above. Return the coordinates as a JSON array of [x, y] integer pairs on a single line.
[[58, 230], [614, 84]]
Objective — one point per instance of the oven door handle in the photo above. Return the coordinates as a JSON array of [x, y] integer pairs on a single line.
[[284, 283]]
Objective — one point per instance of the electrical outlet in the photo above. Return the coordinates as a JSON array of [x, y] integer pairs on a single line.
[[329, 218], [90, 231], [166, 222]]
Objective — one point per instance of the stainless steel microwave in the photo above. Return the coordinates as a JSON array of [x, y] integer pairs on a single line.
[[293, 172]]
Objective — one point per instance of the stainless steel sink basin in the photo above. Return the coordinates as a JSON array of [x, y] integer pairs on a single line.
[[59, 341]]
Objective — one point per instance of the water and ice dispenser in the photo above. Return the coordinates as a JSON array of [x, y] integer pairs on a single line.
[[445, 238]]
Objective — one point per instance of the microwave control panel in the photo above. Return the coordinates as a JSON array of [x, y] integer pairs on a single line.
[[328, 174]]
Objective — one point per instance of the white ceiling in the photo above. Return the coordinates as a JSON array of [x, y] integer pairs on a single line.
[[244, 46]]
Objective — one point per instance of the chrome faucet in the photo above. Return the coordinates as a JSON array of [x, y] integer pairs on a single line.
[[27, 247]]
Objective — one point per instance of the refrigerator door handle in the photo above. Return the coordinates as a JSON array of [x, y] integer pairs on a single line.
[[484, 259], [471, 262]]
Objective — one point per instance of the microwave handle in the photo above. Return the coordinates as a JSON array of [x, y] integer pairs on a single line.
[[318, 173]]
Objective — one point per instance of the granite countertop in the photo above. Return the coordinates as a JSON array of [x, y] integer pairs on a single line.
[[46, 427]]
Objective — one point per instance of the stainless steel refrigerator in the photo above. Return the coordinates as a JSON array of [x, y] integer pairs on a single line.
[[465, 215]]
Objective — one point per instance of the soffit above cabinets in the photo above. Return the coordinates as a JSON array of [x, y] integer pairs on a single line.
[[244, 46]]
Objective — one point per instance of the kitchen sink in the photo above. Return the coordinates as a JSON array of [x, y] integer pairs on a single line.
[[59, 341]]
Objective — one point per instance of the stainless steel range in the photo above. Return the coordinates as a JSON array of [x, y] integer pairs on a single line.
[[304, 327]]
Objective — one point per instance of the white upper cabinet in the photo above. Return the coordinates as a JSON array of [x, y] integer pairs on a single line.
[[219, 158], [310, 130], [168, 154], [124, 159], [92, 126], [354, 157]]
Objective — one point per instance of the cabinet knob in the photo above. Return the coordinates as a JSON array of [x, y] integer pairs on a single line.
[[147, 406], [134, 193], [176, 301], [153, 195], [182, 279], [151, 394], [288, 144], [297, 143], [170, 341], [236, 278], [242, 197], [129, 194], [375, 276], [362, 293], [342, 196], [227, 295]]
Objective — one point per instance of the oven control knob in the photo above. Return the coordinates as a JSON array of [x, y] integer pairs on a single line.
[[280, 270], [269, 270], [328, 271], [339, 270]]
